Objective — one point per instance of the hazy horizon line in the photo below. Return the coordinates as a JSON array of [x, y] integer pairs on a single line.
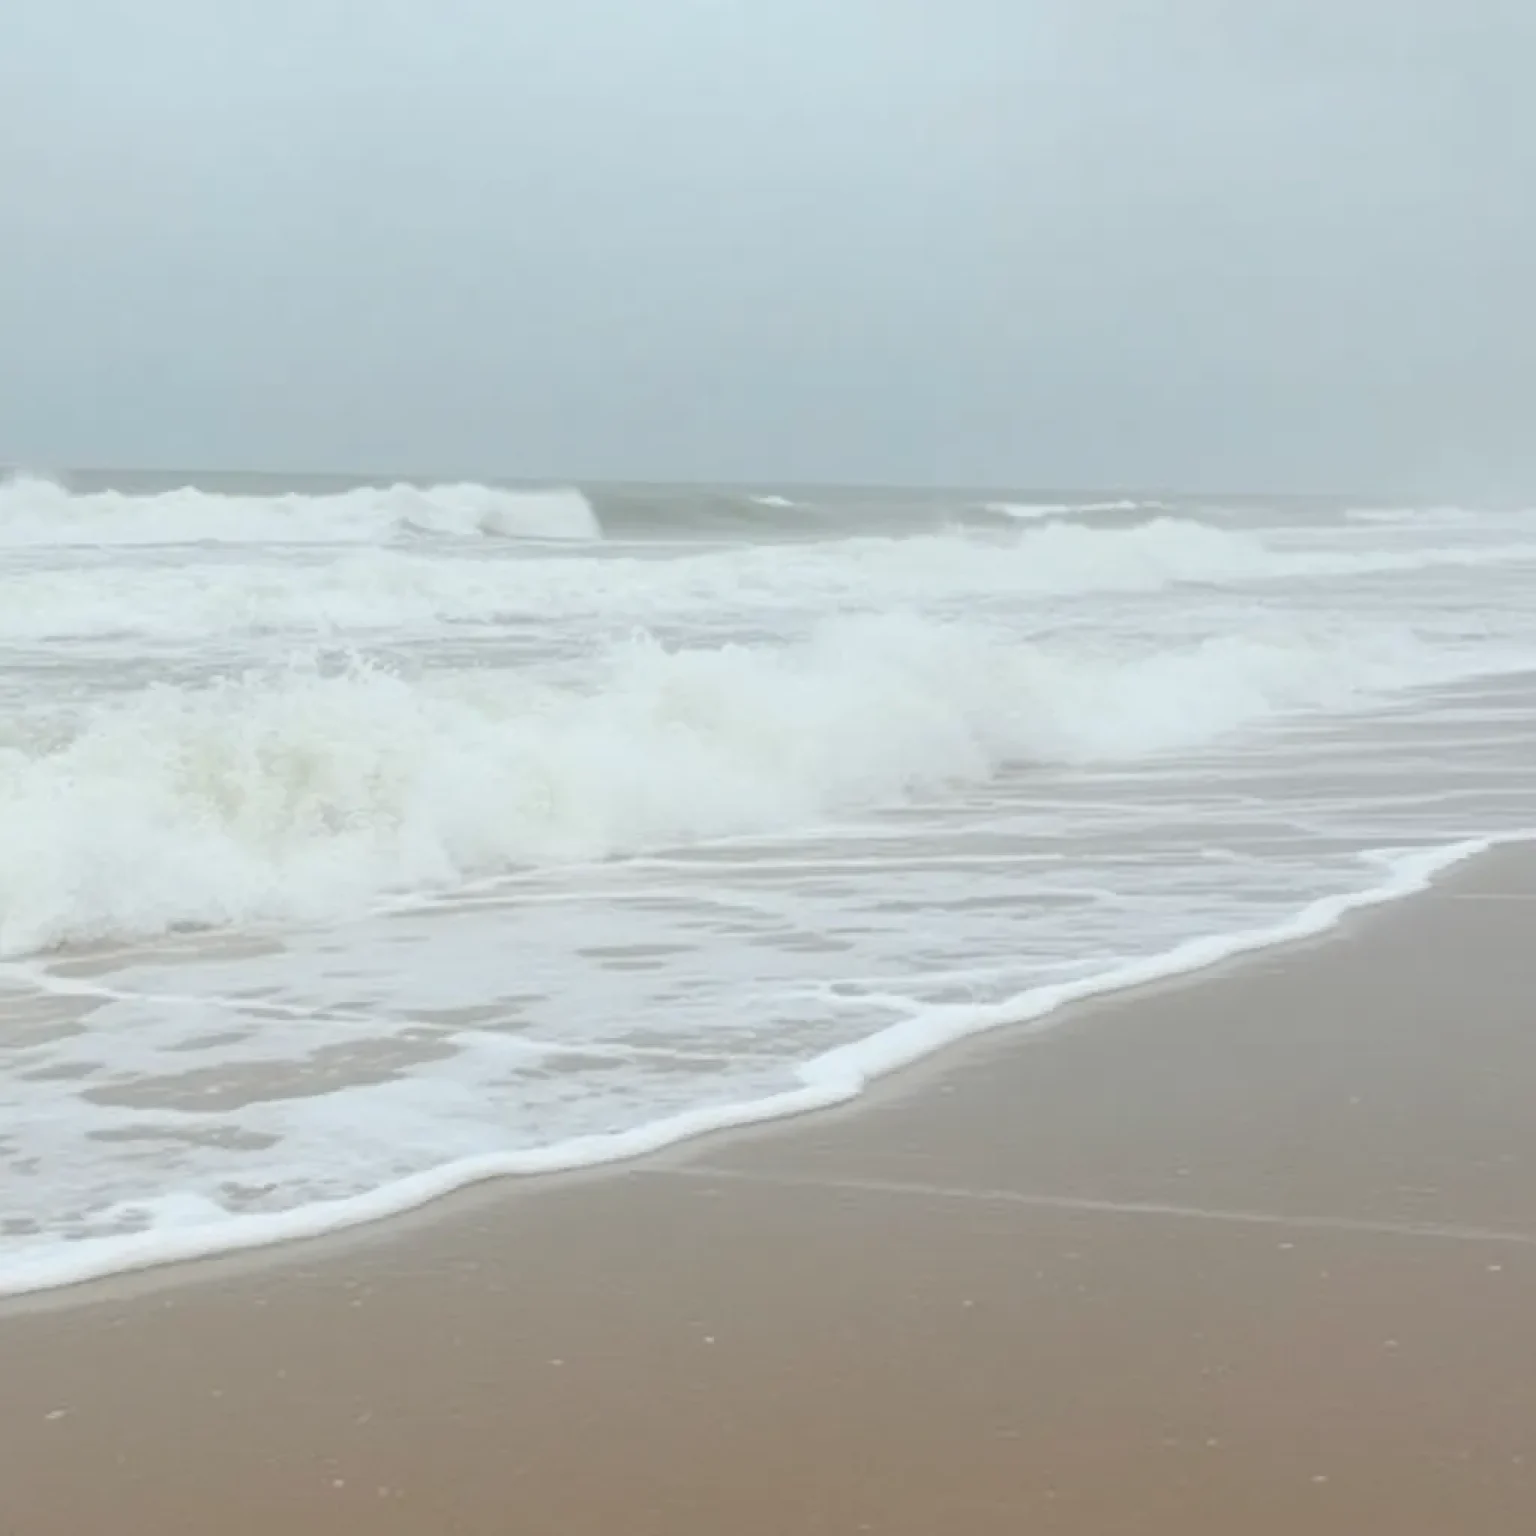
[[358, 478]]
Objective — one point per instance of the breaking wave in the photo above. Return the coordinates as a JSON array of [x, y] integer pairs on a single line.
[[39, 512], [301, 793]]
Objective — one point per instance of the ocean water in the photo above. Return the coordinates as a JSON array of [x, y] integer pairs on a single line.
[[361, 840]]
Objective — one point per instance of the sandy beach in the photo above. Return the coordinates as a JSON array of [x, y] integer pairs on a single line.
[[1252, 1253]]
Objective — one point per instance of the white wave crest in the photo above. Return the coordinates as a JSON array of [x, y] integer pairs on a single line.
[[301, 795], [1029, 511], [1408, 515], [39, 513]]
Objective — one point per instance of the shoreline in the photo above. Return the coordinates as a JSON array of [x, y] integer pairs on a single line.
[[1251, 1251], [839, 1079]]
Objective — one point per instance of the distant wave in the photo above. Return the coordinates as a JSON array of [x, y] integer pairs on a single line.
[[36, 511], [374, 590], [1410, 515], [1028, 511]]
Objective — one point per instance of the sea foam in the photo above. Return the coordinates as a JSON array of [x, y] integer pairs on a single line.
[[380, 588], [179, 1227], [302, 792]]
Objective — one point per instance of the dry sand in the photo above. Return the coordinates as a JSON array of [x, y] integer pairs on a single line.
[[1249, 1255]]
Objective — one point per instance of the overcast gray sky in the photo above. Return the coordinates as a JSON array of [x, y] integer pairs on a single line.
[[1276, 244]]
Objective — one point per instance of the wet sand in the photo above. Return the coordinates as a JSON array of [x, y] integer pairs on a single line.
[[1249, 1254]]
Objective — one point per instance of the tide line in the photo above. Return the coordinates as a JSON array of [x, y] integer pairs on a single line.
[[1433, 1231]]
